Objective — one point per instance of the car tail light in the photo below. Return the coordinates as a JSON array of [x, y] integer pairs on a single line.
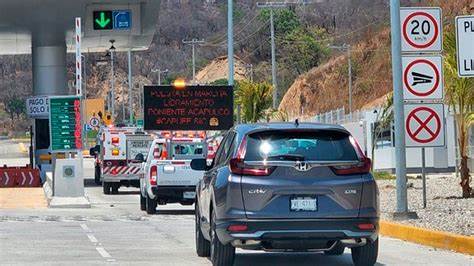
[[237, 228], [178, 162], [115, 140], [238, 166], [367, 226], [114, 171], [153, 175], [363, 167]]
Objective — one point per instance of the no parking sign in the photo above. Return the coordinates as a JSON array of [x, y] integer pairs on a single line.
[[424, 125]]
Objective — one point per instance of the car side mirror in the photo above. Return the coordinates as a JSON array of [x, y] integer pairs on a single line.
[[140, 158], [199, 165]]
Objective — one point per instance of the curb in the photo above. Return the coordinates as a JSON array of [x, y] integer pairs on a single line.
[[427, 237]]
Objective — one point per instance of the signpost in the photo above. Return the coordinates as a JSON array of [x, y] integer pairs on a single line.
[[112, 19], [423, 82], [37, 107], [65, 124], [421, 29], [465, 42], [189, 108], [422, 78], [424, 125]]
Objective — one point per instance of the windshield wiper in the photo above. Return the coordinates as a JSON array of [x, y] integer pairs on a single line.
[[292, 157]]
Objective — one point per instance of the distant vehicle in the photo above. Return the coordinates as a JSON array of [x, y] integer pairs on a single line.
[[287, 187], [118, 157], [168, 177]]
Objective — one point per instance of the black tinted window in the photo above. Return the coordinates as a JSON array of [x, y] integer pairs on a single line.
[[321, 145]]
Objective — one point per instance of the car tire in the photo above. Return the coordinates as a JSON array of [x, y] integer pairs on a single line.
[[106, 187], [221, 255], [337, 250], [97, 175], [151, 205], [142, 202], [366, 255], [115, 189], [203, 246]]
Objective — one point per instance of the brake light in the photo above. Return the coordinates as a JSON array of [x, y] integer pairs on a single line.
[[366, 226], [114, 171], [153, 175], [363, 167], [115, 140], [238, 166], [237, 228], [178, 162]]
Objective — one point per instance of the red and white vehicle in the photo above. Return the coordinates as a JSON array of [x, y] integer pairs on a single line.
[[168, 177], [119, 154]]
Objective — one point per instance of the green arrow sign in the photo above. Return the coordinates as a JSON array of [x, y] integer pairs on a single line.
[[102, 20]]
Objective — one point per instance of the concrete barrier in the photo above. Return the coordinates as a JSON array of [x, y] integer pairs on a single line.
[[65, 189]]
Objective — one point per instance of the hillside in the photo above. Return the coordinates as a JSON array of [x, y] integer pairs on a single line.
[[325, 87]]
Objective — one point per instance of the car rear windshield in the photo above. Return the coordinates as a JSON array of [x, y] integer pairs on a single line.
[[187, 150], [321, 145]]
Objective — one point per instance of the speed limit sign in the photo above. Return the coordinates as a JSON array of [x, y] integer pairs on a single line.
[[422, 30]]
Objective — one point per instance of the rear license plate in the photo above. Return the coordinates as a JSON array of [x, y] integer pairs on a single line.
[[189, 195], [304, 204]]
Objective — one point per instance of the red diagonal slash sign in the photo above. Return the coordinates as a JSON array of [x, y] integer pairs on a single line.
[[415, 132]]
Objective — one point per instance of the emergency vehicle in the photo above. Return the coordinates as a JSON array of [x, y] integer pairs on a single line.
[[167, 174], [119, 154]]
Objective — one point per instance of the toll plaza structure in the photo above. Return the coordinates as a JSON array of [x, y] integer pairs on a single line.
[[45, 29]]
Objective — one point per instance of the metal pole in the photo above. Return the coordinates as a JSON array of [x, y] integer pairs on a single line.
[[423, 175], [350, 79], [400, 155], [112, 93], [159, 76], [194, 62], [274, 81], [130, 83], [230, 42]]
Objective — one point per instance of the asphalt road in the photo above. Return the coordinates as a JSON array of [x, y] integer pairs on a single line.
[[115, 231]]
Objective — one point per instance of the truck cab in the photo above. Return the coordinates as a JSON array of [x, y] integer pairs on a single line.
[[119, 154]]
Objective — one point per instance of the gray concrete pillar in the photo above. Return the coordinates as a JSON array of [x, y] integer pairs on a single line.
[[49, 70]]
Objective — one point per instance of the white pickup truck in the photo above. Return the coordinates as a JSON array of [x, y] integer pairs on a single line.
[[168, 177]]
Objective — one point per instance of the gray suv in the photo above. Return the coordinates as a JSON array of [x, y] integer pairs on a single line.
[[287, 187]]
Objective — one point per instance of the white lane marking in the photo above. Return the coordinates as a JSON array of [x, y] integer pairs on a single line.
[[103, 252], [85, 227], [92, 238]]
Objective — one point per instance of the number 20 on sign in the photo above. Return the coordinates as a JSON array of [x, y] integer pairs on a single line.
[[421, 30]]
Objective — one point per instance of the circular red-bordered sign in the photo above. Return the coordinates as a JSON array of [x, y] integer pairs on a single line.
[[405, 30], [423, 125], [436, 77]]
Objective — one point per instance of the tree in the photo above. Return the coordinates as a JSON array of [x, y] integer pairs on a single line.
[[14, 105], [460, 97], [254, 99]]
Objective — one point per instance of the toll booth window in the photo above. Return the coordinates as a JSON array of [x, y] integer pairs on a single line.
[[42, 134]]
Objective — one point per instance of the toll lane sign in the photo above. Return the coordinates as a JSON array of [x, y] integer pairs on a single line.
[[422, 78], [421, 29], [465, 44], [424, 125]]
